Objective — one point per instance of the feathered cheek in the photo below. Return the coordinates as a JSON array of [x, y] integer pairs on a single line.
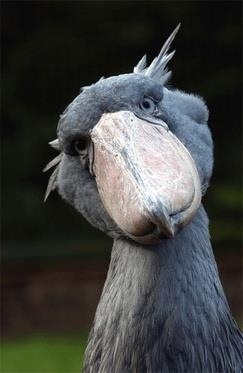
[[146, 178]]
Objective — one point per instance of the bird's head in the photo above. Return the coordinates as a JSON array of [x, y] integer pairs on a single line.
[[135, 157]]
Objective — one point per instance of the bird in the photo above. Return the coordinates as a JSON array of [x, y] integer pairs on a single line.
[[135, 159]]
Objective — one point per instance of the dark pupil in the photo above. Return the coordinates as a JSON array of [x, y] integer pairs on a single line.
[[81, 144], [146, 104]]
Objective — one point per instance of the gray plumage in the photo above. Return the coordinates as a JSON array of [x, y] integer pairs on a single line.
[[162, 308]]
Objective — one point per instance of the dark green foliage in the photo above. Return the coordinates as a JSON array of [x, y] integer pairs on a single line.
[[37, 354]]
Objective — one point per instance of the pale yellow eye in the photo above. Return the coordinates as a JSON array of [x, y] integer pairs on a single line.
[[148, 105]]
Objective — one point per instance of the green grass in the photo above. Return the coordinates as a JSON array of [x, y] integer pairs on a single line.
[[43, 355]]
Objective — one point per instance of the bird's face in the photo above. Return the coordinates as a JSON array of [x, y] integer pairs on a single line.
[[136, 157]]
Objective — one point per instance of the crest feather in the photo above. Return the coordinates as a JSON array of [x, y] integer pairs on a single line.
[[157, 70], [141, 65], [55, 144], [52, 182]]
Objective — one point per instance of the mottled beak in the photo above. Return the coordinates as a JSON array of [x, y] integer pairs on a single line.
[[147, 179]]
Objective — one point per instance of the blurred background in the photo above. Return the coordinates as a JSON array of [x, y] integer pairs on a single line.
[[53, 263]]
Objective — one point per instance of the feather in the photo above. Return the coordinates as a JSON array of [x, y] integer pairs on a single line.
[[138, 69], [55, 144], [52, 183], [53, 163], [157, 70]]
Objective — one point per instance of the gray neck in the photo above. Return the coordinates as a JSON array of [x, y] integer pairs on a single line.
[[163, 309]]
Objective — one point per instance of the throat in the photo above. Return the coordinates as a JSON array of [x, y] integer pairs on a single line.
[[158, 302]]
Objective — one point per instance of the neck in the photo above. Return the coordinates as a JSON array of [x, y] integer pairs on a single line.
[[162, 308]]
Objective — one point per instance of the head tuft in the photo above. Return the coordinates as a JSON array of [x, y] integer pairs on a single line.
[[158, 70]]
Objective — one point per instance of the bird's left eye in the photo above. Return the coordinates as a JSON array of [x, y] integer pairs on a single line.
[[148, 105]]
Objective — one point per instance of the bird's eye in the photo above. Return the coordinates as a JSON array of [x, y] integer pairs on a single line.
[[80, 145], [148, 105]]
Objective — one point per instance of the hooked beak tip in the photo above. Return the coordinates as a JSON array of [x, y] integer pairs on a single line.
[[168, 228]]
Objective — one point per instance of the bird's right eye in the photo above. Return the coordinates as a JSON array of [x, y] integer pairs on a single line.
[[80, 145]]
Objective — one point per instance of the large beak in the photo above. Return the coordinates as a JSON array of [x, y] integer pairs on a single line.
[[146, 178]]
